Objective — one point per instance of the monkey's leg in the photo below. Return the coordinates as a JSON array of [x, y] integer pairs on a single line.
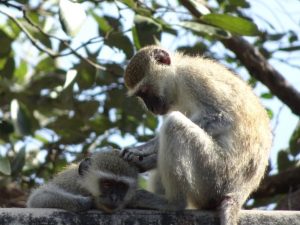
[[144, 156], [188, 161], [184, 143], [192, 159], [54, 197], [155, 184]]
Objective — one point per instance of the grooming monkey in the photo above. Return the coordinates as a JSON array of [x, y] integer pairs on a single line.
[[213, 147], [104, 181]]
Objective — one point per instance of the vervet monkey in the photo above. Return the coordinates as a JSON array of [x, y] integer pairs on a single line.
[[213, 147], [104, 181]]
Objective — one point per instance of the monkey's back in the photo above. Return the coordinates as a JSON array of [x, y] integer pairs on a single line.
[[70, 181], [247, 143]]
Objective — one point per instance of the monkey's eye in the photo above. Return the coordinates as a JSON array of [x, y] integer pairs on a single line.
[[162, 57]]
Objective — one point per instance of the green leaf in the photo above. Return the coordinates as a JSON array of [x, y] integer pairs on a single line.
[[5, 166], [142, 182], [151, 122], [198, 49], [103, 24], [8, 69], [293, 36], [240, 3], [136, 40], [20, 117], [6, 128], [267, 95], [143, 11], [70, 78], [86, 109], [148, 31], [203, 28], [69, 129], [72, 16], [86, 76], [18, 162], [41, 138], [290, 49], [20, 72], [46, 65], [270, 113], [283, 161], [275, 37], [230, 23], [5, 41], [295, 141], [200, 7], [115, 23], [120, 41], [166, 27], [130, 3]]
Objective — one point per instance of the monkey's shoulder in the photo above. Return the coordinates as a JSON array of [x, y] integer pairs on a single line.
[[70, 180]]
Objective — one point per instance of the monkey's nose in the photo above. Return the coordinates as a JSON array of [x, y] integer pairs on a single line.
[[114, 199]]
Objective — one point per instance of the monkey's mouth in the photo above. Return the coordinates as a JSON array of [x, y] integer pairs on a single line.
[[156, 105], [159, 111], [109, 208]]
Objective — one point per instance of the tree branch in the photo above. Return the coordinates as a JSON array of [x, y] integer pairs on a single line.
[[258, 66], [281, 183], [33, 41], [43, 48]]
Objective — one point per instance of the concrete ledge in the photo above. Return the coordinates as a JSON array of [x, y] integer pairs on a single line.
[[21, 216]]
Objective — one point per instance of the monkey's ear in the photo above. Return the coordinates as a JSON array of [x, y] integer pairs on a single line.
[[162, 57], [84, 165]]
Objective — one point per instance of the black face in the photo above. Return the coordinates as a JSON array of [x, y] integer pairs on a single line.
[[112, 194], [155, 103]]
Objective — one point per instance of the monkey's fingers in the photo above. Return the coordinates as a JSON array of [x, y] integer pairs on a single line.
[[141, 160], [129, 153], [145, 163]]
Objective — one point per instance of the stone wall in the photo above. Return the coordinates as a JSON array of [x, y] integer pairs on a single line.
[[21, 216]]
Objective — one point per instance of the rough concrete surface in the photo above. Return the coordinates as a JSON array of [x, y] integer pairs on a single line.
[[18, 216]]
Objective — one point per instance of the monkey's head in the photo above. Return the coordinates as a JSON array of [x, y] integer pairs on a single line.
[[148, 77], [109, 179]]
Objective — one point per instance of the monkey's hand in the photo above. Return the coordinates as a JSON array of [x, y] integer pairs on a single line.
[[144, 157]]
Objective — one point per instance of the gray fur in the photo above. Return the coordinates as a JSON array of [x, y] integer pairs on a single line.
[[213, 147], [74, 191]]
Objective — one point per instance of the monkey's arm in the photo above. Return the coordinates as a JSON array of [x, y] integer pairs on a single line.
[[51, 196], [147, 200], [144, 156], [214, 123]]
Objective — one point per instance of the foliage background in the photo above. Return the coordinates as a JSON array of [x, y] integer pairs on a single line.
[[62, 94]]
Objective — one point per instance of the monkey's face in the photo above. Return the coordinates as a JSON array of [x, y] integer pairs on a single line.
[[146, 77], [157, 104], [112, 195]]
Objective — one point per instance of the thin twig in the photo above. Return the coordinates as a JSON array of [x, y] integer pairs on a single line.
[[35, 42], [9, 4], [65, 42], [277, 120]]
